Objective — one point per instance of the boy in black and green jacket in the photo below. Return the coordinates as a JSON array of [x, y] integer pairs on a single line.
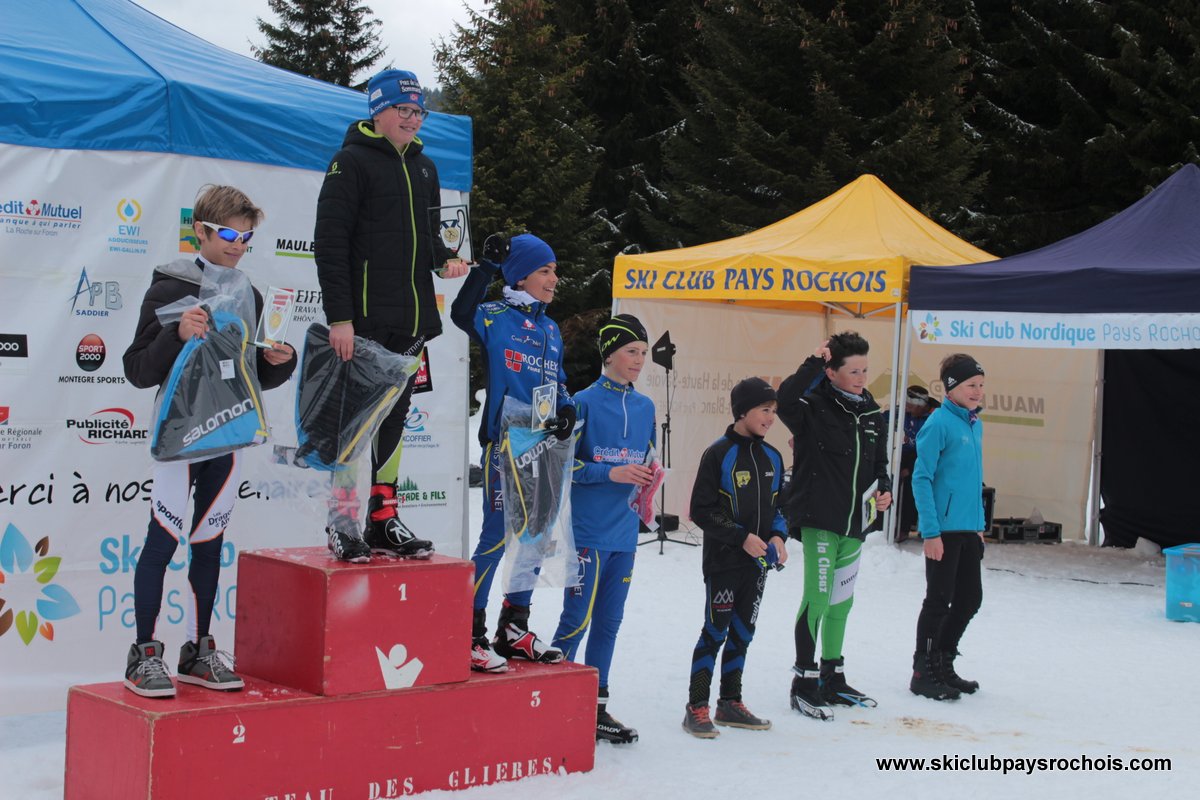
[[839, 475]]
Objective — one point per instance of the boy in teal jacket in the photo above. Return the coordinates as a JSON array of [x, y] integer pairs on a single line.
[[947, 485]]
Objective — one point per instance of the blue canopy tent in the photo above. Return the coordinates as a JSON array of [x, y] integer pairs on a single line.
[[109, 75], [1146, 259], [1130, 283]]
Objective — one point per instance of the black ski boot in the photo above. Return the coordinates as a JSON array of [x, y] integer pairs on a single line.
[[515, 640], [806, 694], [927, 679], [608, 728], [836, 691], [952, 678], [348, 548], [385, 533]]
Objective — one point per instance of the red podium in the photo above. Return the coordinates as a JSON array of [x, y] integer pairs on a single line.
[[358, 684], [269, 742], [328, 627]]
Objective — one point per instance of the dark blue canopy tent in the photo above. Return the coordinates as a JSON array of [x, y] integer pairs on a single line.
[[1129, 286], [109, 75], [1145, 259]]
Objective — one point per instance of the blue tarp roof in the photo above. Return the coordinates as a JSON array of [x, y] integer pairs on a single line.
[[109, 75], [1145, 259]]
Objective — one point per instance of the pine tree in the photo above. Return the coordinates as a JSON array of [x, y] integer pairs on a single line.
[[634, 55], [824, 92], [1084, 107], [330, 40]]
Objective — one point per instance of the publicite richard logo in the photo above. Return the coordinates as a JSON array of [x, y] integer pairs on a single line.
[[108, 426], [37, 613]]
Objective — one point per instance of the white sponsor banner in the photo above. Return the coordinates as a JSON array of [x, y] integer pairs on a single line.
[[1071, 331], [80, 235]]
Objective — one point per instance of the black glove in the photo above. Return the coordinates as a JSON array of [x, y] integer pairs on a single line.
[[495, 249], [564, 424]]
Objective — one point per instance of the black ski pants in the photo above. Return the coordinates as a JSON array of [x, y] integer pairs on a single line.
[[953, 592]]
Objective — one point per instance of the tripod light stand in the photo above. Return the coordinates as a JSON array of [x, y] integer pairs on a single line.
[[663, 354]]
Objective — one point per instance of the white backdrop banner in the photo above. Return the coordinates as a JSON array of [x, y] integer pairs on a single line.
[[80, 233], [1039, 405]]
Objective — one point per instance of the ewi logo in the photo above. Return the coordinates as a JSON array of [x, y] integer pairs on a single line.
[[14, 345], [108, 426], [90, 352]]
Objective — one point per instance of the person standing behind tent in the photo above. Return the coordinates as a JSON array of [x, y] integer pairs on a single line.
[[225, 220], [523, 350], [376, 252], [948, 487], [840, 470], [918, 405], [615, 438]]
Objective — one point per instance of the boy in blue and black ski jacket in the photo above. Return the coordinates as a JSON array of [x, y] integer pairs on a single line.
[[522, 349], [734, 503]]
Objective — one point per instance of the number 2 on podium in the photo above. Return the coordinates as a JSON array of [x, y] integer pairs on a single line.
[[239, 733]]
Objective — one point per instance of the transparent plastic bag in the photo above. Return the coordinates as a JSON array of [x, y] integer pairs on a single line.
[[535, 477], [229, 290], [340, 404]]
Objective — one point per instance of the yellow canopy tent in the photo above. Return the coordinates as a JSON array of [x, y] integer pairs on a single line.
[[850, 252], [847, 254]]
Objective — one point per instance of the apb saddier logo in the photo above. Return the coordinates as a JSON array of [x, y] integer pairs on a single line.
[[30, 617], [105, 293]]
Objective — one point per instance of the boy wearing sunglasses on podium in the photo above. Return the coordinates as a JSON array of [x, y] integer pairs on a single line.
[[224, 224], [376, 253]]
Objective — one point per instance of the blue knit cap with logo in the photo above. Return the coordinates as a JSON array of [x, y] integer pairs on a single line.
[[393, 87], [526, 254]]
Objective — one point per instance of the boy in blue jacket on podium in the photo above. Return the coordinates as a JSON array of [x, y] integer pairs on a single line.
[[611, 451], [523, 350]]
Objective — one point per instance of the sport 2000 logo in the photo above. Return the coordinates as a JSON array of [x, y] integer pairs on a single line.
[[30, 601]]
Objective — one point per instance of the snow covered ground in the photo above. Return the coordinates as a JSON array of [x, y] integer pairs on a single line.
[[1071, 647]]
